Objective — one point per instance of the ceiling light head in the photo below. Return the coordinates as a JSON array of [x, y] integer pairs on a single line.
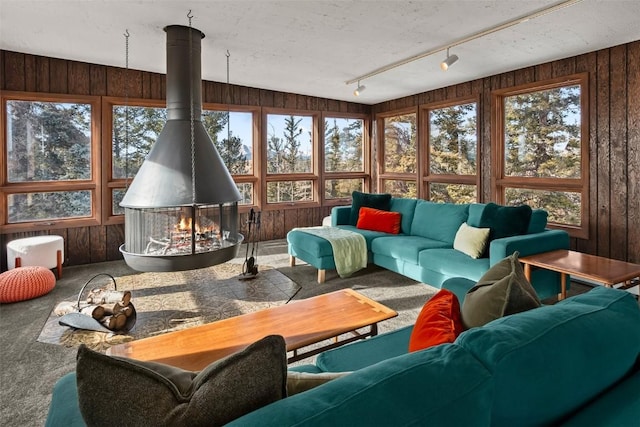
[[449, 61], [359, 89]]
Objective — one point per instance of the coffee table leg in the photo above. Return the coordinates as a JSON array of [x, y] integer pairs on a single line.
[[527, 271], [563, 287]]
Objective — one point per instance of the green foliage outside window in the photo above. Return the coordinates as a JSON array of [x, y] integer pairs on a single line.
[[48, 142], [400, 147]]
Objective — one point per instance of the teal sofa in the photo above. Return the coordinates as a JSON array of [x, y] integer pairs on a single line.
[[575, 363], [423, 250]]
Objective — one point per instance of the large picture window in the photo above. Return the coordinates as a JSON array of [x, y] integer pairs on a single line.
[[452, 151], [542, 150], [398, 153], [344, 156], [51, 161], [290, 161]]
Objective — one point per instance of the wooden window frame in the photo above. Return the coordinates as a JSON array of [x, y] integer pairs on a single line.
[[365, 175], [427, 177], [499, 182], [382, 175], [313, 176], [92, 184], [109, 183], [254, 176]]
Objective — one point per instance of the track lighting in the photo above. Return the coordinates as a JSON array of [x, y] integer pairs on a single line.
[[449, 61], [359, 89]]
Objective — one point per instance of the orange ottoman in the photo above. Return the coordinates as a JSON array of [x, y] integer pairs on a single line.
[[25, 283]]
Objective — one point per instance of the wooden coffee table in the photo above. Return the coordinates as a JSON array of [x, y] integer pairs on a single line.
[[591, 267], [301, 323]]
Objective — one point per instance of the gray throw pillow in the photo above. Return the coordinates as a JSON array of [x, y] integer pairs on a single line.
[[122, 391], [501, 291]]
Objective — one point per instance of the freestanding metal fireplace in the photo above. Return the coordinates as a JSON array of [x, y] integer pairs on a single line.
[[181, 209]]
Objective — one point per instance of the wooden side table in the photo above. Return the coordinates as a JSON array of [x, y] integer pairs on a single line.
[[591, 267]]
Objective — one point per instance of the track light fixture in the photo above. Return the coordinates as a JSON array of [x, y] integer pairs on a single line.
[[359, 89], [449, 61]]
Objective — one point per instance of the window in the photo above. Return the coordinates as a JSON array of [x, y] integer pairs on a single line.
[[344, 157], [290, 162], [133, 127], [542, 150], [233, 133], [51, 161], [452, 151], [398, 153]]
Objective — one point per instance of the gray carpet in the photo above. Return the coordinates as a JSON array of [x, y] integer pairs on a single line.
[[34, 352]]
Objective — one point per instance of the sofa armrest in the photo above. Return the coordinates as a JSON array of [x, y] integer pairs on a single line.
[[340, 215], [361, 354], [528, 244]]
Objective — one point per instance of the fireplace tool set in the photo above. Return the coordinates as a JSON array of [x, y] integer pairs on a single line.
[[250, 265]]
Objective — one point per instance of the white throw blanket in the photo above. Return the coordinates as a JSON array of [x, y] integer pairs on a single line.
[[349, 248]]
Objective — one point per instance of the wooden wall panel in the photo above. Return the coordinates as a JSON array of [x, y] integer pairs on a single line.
[[98, 248], [602, 161], [618, 152], [58, 76], [79, 246], [633, 152]]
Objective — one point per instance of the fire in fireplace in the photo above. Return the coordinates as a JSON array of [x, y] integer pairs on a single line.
[[181, 209]]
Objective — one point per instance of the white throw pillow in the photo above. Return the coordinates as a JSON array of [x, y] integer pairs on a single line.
[[471, 240]]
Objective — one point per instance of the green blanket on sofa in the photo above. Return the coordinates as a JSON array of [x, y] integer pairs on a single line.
[[349, 248]]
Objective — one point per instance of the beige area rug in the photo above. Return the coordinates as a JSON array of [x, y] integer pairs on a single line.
[[173, 301], [167, 302]]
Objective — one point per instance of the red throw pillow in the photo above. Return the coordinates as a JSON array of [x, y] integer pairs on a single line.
[[377, 220], [439, 322]]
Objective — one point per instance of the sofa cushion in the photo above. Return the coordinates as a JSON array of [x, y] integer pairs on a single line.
[[369, 235], [566, 354], [439, 322], [379, 220], [404, 248], [148, 393], [452, 263], [501, 291], [538, 221], [471, 240], [505, 221], [440, 386], [407, 207], [438, 221], [376, 201]]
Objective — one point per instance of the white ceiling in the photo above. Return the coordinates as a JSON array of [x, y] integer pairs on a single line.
[[313, 47]]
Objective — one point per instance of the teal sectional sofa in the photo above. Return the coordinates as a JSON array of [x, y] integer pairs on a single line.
[[424, 250], [575, 363]]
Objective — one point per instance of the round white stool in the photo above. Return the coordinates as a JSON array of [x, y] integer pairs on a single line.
[[45, 251]]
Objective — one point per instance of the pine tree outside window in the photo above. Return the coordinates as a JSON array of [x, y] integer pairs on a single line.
[[542, 152], [344, 156], [51, 161], [291, 157], [398, 153], [451, 139]]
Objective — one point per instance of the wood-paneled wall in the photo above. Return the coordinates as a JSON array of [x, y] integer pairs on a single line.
[[83, 245], [614, 139]]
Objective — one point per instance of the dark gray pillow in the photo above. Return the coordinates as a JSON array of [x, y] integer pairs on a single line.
[[121, 391], [369, 200], [501, 291]]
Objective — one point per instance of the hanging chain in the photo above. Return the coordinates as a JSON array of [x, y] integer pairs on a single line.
[[193, 138], [228, 110], [126, 110]]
